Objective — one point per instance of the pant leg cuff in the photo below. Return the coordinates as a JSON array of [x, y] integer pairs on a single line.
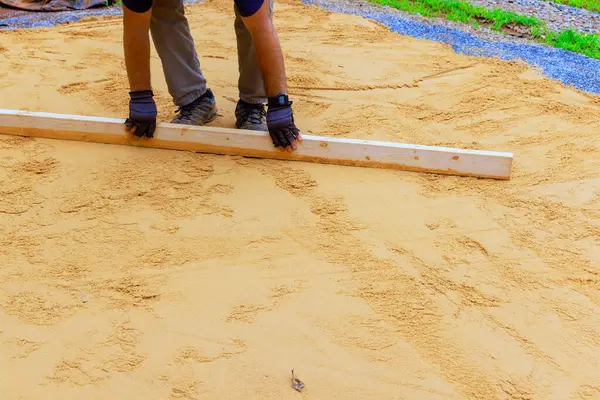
[[253, 99], [188, 98]]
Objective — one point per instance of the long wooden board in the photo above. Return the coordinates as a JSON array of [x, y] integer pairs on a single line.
[[225, 141]]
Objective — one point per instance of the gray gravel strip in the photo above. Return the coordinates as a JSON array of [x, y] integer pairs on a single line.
[[558, 17], [570, 68], [48, 19]]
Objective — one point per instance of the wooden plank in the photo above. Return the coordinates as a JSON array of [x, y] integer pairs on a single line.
[[226, 141]]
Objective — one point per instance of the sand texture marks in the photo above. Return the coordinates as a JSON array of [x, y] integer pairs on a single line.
[[154, 274]]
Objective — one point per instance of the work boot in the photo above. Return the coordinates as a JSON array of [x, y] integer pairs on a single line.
[[250, 116], [198, 112]]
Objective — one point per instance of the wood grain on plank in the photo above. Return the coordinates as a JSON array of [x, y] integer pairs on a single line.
[[226, 141]]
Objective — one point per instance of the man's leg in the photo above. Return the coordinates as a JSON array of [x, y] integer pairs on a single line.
[[250, 111], [175, 47], [257, 15]]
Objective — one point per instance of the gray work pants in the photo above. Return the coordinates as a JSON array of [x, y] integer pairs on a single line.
[[175, 47]]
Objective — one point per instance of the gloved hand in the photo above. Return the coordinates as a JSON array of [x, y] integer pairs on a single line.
[[142, 113], [280, 122]]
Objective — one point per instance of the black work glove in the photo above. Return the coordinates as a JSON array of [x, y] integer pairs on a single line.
[[280, 122], [142, 113]]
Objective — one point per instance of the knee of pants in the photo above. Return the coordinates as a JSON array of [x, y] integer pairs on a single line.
[[247, 8], [138, 6]]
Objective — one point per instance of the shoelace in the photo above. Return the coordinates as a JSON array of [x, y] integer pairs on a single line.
[[187, 111], [254, 113]]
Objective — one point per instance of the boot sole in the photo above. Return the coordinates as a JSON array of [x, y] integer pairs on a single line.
[[258, 128]]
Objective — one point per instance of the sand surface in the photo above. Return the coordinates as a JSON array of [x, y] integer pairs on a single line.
[[133, 273]]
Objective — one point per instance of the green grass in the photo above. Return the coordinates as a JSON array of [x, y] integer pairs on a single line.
[[463, 11], [574, 41], [593, 5]]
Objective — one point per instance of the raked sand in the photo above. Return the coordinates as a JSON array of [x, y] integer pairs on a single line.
[[131, 273]]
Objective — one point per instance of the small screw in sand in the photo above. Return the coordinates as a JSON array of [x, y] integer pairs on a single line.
[[297, 383]]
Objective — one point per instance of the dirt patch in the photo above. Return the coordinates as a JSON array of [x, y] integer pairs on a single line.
[[150, 272]]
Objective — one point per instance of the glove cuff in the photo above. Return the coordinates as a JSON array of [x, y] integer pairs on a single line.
[[141, 94], [279, 101], [281, 115]]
